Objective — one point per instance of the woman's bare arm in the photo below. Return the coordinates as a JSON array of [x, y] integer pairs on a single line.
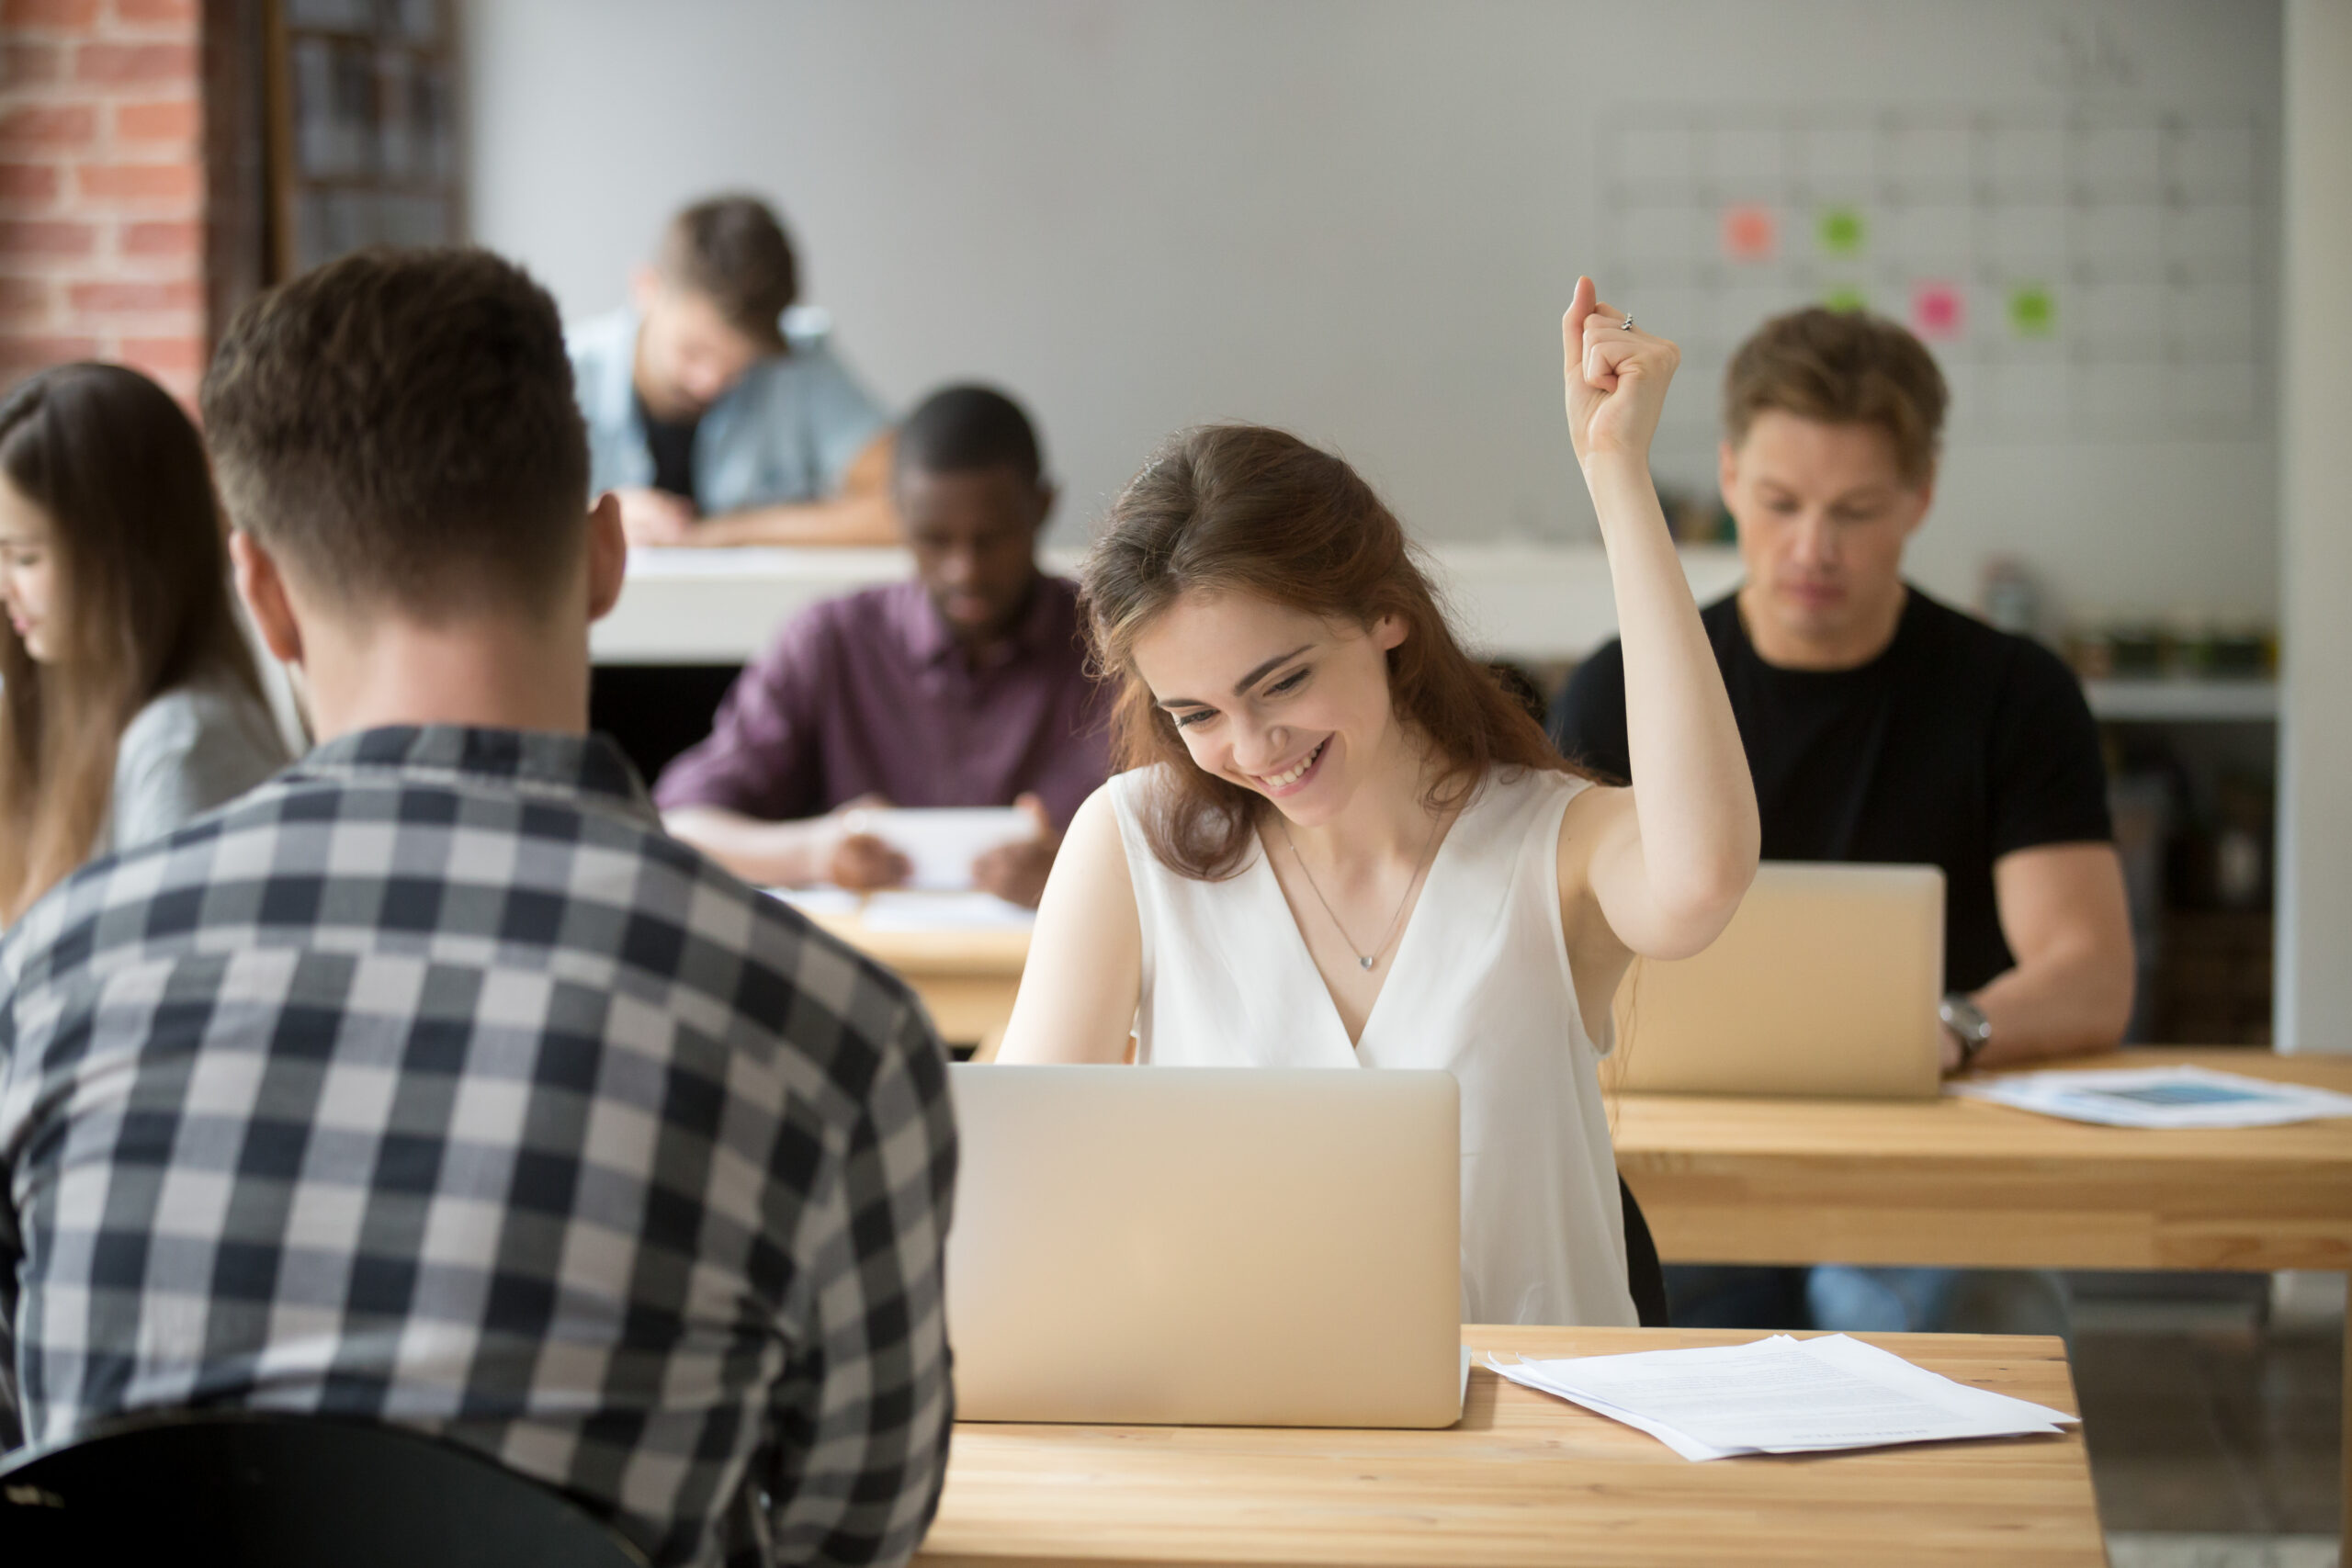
[[1668, 860], [1085, 971]]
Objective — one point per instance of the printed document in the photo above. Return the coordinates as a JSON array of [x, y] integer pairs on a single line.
[[1780, 1395], [2160, 1096]]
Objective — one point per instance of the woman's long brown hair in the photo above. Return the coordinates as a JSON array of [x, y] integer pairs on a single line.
[[141, 600], [1242, 509]]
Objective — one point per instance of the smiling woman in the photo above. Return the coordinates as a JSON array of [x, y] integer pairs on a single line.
[[1237, 536], [1340, 843]]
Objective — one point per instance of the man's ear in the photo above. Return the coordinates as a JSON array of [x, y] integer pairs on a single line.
[[1926, 494], [263, 588], [1726, 470], [607, 555], [644, 288], [1048, 493]]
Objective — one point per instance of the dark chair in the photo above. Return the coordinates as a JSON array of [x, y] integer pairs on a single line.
[[1641, 1269], [249, 1489]]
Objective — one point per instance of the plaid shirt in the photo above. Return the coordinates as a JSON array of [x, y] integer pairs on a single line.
[[432, 1083]]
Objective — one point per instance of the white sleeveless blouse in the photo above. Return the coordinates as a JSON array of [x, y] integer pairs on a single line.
[[1479, 986]]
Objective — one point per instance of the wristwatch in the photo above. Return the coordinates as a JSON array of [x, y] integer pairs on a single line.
[[1968, 1024]]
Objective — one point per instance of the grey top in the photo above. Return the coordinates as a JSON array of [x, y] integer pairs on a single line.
[[786, 431], [189, 749]]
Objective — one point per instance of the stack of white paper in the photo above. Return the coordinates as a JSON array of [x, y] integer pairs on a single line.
[[1780, 1396], [2161, 1097]]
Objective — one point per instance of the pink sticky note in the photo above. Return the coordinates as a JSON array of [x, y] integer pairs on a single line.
[[1750, 232], [1939, 311]]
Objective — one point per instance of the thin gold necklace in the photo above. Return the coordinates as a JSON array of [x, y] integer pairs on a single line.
[[1363, 960]]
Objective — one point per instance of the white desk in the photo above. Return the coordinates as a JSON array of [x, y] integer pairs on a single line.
[[686, 606]]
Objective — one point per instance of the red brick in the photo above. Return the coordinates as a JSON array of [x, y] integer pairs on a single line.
[[29, 352], [117, 296], [156, 11], [160, 357], [24, 63], [172, 119], [181, 182], [24, 299], [26, 186], [37, 237], [75, 15], [114, 62], [49, 125], [162, 239]]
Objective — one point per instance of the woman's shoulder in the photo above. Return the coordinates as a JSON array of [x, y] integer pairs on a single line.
[[1510, 785], [214, 717], [1137, 787]]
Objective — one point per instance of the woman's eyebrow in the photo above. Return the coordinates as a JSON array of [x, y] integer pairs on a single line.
[[1268, 668], [1243, 685]]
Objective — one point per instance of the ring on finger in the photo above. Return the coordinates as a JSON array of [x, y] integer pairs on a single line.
[[1626, 325]]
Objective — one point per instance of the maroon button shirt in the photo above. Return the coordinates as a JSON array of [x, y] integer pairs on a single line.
[[870, 695]]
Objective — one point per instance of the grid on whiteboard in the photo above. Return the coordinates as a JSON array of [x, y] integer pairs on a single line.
[[2079, 276]]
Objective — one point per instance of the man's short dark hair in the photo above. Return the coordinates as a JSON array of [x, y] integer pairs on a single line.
[[958, 429], [398, 427], [1841, 368], [732, 251]]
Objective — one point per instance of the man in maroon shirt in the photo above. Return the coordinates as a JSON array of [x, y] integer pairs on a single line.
[[963, 687]]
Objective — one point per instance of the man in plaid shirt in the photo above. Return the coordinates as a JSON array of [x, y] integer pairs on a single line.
[[431, 1083]]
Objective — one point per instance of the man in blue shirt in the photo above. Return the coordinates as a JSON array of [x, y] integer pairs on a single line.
[[711, 421]]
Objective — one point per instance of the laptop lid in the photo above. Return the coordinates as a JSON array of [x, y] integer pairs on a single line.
[[1825, 984], [1211, 1245]]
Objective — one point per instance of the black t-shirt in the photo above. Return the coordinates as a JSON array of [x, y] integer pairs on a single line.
[[670, 444], [1954, 747]]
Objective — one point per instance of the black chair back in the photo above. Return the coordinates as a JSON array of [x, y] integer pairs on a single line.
[[1643, 1271], [250, 1489]]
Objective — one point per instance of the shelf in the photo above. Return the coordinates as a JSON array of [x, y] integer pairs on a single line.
[[2158, 700]]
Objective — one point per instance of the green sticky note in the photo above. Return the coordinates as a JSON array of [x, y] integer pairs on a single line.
[[1840, 232], [1845, 297], [2033, 312]]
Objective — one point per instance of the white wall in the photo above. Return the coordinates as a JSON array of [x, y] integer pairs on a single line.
[[2314, 986], [1356, 217]]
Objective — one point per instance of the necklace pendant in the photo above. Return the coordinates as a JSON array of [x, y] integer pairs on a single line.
[[1367, 962]]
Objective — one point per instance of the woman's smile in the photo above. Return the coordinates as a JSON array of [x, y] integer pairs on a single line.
[[1293, 779]]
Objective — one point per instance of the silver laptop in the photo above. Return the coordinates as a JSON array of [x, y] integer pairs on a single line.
[[1210, 1245], [1825, 984]]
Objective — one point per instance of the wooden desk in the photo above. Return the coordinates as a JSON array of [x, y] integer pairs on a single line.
[[1525, 1478], [967, 979], [1962, 1183]]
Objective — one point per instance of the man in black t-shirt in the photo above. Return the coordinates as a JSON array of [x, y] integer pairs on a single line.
[[1882, 726]]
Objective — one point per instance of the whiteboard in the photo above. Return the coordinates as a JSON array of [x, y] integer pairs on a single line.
[[1360, 220]]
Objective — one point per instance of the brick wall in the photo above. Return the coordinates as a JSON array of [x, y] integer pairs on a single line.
[[102, 186]]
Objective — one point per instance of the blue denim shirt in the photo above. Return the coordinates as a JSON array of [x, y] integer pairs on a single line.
[[784, 433]]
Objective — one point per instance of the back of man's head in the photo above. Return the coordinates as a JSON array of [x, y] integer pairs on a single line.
[[397, 430], [1841, 368], [732, 251], [959, 429]]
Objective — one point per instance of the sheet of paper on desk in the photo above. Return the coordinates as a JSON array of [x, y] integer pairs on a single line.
[[2160, 1096], [819, 901], [1780, 1395], [904, 912], [943, 843]]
